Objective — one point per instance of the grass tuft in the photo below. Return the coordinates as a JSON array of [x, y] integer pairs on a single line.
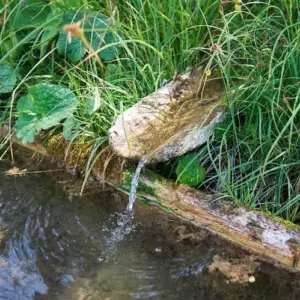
[[253, 157]]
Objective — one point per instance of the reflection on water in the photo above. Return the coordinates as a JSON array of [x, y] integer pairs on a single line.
[[87, 248]]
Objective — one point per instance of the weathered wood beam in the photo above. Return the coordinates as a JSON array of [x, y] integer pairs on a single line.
[[274, 239]]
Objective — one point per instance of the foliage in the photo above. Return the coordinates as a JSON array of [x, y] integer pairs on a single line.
[[189, 172], [253, 156], [75, 49], [71, 128], [8, 78], [43, 107], [97, 33], [29, 13]]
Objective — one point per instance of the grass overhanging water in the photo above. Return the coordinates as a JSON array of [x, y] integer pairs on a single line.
[[253, 157]]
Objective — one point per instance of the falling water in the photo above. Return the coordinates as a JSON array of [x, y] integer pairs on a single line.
[[134, 184]]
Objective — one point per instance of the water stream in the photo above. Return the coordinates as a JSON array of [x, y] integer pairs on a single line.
[[55, 244], [134, 185]]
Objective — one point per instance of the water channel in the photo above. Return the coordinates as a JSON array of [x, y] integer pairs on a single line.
[[58, 245]]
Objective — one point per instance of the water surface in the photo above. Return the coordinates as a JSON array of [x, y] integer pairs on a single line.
[[59, 245]]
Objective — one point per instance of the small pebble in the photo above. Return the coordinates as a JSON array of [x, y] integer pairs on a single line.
[[251, 279]]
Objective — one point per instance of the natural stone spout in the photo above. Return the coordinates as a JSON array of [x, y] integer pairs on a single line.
[[175, 119]]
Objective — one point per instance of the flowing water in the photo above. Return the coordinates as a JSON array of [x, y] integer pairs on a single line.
[[55, 244], [135, 184]]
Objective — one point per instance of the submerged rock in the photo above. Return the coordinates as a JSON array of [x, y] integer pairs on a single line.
[[236, 270], [175, 119]]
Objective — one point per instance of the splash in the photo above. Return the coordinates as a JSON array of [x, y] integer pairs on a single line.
[[122, 226], [134, 185]]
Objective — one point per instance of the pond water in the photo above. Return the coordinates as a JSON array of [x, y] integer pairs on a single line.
[[59, 245]]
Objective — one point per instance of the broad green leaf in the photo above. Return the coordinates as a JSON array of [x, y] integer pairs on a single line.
[[8, 78], [46, 39], [189, 172], [48, 35], [51, 31], [26, 128], [6, 45], [70, 4], [97, 33], [71, 128], [30, 13], [109, 53], [76, 49], [112, 72], [45, 106]]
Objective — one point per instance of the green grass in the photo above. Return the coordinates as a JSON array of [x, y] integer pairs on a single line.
[[253, 158], [155, 41]]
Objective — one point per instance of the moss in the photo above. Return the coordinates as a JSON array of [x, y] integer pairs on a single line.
[[142, 187], [145, 201], [168, 210], [154, 177], [280, 220], [127, 178], [145, 189]]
